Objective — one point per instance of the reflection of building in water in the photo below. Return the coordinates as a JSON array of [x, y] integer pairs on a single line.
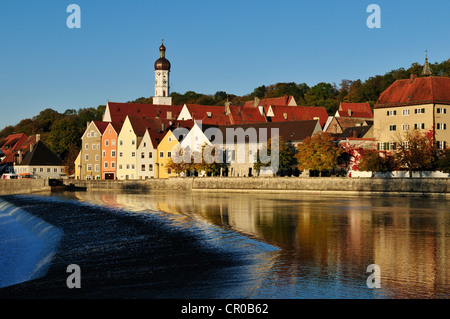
[[323, 237], [413, 256]]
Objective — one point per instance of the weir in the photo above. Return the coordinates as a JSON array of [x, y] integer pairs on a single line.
[[28, 245]]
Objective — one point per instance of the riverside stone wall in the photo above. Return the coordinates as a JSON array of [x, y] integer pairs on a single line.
[[23, 186], [338, 185]]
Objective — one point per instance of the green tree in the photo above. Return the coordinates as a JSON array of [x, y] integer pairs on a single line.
[[319, 152], [276, 148], [443, 163]]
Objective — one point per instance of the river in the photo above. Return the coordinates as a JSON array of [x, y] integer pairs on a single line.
[[309, 246]]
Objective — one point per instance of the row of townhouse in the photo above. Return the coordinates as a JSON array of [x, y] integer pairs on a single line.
[[141, 148], [135, 141]]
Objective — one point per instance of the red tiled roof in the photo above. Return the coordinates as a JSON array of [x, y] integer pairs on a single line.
[[365, 115], [101, 126], [284, 100], [119, 111], [299, 113], [355, 108], [432, 89], [246, 114], [199, 112]]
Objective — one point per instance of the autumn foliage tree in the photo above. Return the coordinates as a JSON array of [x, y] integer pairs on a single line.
[[319, 152], [416, 151]]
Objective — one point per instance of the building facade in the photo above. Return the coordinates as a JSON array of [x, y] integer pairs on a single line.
[[421, 104]]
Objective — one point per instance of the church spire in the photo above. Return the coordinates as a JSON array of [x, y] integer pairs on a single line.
[[426, 71]]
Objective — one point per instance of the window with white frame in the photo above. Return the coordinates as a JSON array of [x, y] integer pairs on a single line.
[[391, 113], [392, 127], [441, 145], [113, 153], [106, 143], [405, 127], [419, 126], [113, 164], [441, 126], [105, 165], [97, 167], [89, 168], [405, 112], [441, 110], [419, 111]]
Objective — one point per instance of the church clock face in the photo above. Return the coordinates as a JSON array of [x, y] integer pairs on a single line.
[[164, 82]]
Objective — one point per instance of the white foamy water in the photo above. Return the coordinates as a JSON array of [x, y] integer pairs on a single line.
[[27, 245]]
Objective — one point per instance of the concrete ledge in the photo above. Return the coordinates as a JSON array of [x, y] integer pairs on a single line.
[[23, 186]]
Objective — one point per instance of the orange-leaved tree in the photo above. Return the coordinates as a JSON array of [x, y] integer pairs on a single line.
[[319, 152]]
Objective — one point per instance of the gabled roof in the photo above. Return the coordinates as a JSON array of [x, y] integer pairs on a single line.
[[416, 91], [356, 132], [117, 126], [101, 126], [298, 113], [119, 111], [41, 155], [290, 131], [13, 142], [283, 100], [200, 112], [141, 125], [355, 107], [246, 114], [363, 115]]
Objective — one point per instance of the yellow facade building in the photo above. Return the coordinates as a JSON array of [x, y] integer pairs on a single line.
[[418, 103]]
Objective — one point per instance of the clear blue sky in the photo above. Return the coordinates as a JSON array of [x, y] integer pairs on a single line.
[[233, 46]]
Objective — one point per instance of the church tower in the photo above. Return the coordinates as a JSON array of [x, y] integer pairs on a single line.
[[162, 70]]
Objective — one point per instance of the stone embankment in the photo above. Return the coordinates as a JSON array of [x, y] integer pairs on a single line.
[[329, 185], [23, 186], [326, 185]]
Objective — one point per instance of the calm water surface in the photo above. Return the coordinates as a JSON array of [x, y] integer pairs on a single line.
[[320, 246]]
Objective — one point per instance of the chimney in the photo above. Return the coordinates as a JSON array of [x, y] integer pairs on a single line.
[[227, 108], [256, 101], [38, 137], [412, 78], [31, 147], [87, 124], [349, 112], [354, 134]]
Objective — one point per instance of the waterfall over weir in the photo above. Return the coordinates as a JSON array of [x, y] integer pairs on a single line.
[[27, 245]]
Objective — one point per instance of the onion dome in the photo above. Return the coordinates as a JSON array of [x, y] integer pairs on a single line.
[[162, 63]]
